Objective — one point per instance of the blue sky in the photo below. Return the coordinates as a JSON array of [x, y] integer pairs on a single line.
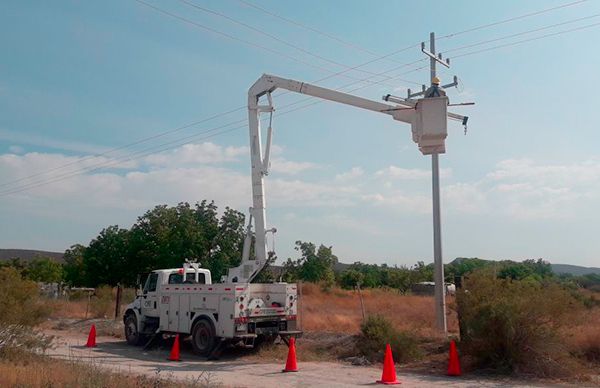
[[79, 78]]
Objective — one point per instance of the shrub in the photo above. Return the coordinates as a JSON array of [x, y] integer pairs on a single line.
[[377, 331], [19, 300], [514, 326], [102, 304], [20, 310]]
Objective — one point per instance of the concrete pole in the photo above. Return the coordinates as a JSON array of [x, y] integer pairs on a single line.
[[438, 275]]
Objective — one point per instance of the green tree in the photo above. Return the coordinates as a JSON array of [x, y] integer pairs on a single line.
[[44, 270], [350, 278], [165, 236], [106, 259], [315, 264], [74, 267]]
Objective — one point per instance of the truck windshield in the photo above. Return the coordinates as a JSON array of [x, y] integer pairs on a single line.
[[151, 281]]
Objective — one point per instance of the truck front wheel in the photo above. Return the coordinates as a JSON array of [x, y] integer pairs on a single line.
[[132, 333], [203, 337]]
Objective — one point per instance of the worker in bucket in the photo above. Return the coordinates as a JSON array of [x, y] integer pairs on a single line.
[[435, 90]]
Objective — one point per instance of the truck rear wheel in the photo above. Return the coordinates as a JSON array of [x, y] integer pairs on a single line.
[[203, 337], [132, 333]]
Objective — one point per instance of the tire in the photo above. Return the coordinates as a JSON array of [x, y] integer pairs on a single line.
[[132, 334], [203, 337]]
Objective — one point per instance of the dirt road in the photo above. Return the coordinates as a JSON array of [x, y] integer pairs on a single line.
[[115, 354]]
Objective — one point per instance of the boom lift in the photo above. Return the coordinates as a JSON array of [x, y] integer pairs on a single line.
[[427, 117]]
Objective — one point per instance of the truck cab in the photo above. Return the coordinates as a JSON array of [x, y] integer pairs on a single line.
[[144, 312]]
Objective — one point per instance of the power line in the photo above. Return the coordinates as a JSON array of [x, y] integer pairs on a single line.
[[274, 37], [328, 77], [527, 40], [137, 142], [26, 187], [312, 29], [512, 19], [522, 33], [156, 149], [250, 43]]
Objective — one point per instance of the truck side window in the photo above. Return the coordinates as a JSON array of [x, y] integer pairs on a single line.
[[151, 283], [201, 278]]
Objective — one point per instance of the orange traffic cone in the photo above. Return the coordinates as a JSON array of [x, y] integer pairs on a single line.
[[453, 363], [291, 365], [175, 350], [91, 342], [388, 376]]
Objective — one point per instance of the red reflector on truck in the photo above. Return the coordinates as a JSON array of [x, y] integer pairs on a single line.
[[241, 320], [291, 317]]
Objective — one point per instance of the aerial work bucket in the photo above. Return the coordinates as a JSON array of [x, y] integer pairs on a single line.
[[430, 127]]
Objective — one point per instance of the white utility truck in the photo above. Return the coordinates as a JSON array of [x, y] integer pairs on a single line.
[[184, 300]]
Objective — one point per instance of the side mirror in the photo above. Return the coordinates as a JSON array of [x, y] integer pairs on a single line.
[[138, 292]]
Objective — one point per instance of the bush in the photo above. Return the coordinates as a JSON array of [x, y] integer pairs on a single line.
[[19, 300], [513, 326], [377, 331], [102, 304], [20, 310]]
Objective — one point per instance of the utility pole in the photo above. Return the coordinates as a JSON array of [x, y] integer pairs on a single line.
[[438, 275], [440, 288]]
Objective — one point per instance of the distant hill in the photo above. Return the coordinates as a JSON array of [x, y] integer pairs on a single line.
[[574, 269], [28, 254]]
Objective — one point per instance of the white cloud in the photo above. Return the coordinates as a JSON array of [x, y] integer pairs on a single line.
[[355, 172], [282, 166], [400, 202], [394, 172], [194, 154], [524, 190]]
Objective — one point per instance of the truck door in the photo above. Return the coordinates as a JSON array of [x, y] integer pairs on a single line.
[[149, 298], [174, 313], [184, 313]]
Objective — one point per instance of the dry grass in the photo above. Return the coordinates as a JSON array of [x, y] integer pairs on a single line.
[[28, 370], [583, 337], [340, 310], [101, 305]]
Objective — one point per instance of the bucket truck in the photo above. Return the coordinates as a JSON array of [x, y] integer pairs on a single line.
[[185, 301]]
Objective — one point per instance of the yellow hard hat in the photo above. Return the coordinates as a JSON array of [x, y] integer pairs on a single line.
[[435, 80]]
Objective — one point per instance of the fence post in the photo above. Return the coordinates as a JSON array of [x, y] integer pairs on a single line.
[[118, 301], [362, 304]]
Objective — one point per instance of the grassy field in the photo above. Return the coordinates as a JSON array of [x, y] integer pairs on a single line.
[[331, 321], [340, 310]]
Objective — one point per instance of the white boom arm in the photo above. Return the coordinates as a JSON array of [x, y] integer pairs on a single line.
[[265, 85]]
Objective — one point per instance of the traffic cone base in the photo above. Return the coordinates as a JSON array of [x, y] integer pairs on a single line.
[[175, 350], [91, 341], [291, 365], [453, 362], [388, 377]]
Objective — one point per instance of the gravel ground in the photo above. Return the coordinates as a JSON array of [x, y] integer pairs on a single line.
[[236, 371]]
